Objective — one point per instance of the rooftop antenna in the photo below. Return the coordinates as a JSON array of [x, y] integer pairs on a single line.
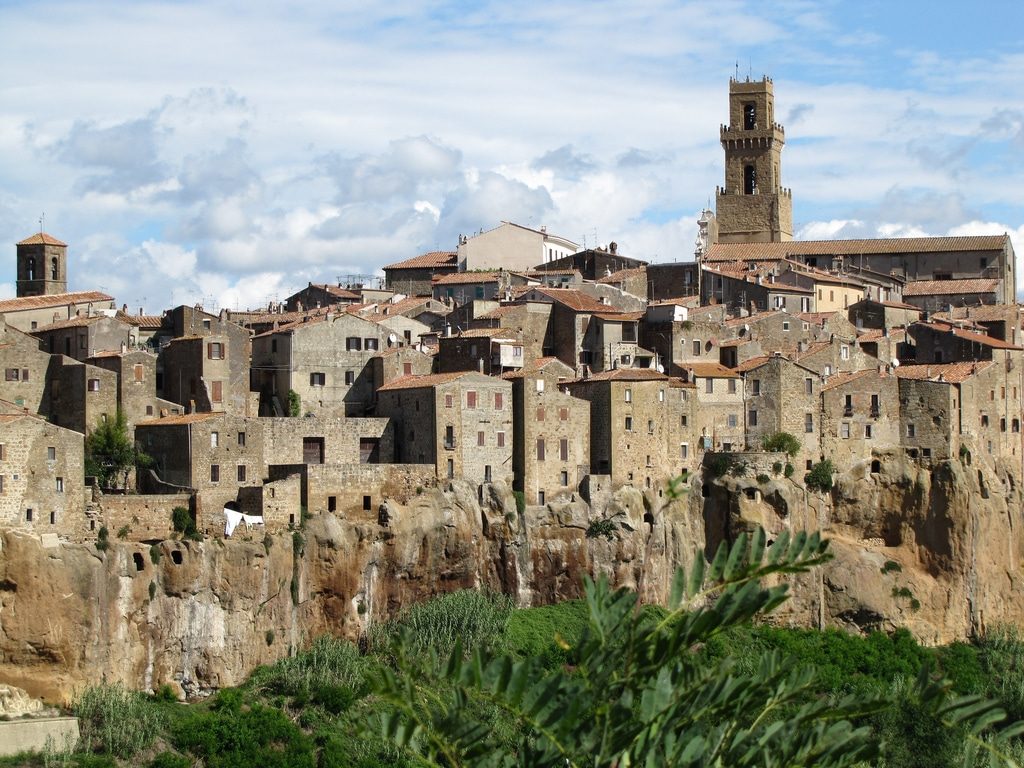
[[42, 217], [737, 77]]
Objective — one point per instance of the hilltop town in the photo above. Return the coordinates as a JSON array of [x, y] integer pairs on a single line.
[[512, 413]]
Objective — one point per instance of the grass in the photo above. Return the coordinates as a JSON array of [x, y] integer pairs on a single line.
[[116, 721]]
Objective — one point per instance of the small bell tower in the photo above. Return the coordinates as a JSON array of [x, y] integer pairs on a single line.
[[42, 265]]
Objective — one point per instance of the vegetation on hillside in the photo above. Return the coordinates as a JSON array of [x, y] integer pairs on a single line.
[[466, 680]]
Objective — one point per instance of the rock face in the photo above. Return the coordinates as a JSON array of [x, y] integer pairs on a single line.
[[936, 549], [201, 615]]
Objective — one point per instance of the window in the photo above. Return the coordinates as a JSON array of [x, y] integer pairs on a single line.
[[844, 430], [371, 344], [449, 437], [563, 414], [241, 439], [218, 392], [53, 521], [407, 369], [28, 515], [749, 179], [139, 371], [94, 385], [215, 473], [206, 324], [709, 385], [629, 395], [661, 395], [911, 430], [564, 478], [1015, 425], [353, 344], [984, 420], [1002, 425], [828, 370], [732, 386], [214, 439], [785, 325], [696, 347], [874, 405], [451, 468], [241, 473], [83, 341], [501, 439], [472, 350], [629, 424], [650, 426], [869, 431], [480, 438], [755, 387], [3, 453], [215, 350], [808, 422], [350, 378], [499, 400], [273, 345], [540, 449], [471, 399], [809, 386], [540, 497], [844, 352], [317, 379], [563, 449], [60, 485], [448, 401], [540, 414], [752, 418], [51, 453], [312, 450], [732, 421], [684, 450], [684, 420], [540, 385], [749, 116]]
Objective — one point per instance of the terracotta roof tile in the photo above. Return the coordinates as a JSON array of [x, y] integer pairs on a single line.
[[41, 238], [178, 419], [423, 381], [623, 274], [625, 374], [464, 278], [754, 362], [845, 377], [71, 322], [971, 336], [141, 321], [53, 300], [952, 373], [428, 260], [710, 370], [574, 300], [950, 287], [776, 251]]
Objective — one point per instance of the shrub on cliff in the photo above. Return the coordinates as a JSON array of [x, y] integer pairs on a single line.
[[781, 442], [820, 476]]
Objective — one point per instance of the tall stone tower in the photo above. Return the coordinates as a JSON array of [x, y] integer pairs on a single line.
[[753, 207], [42, 265]]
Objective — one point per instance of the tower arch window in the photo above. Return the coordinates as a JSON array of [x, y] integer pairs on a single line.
[[749, 179], [30, 268], [749, 117], [54, 269]]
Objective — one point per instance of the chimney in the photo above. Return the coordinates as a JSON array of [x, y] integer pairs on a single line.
[[613, 247], [141, 313], [124, 308]]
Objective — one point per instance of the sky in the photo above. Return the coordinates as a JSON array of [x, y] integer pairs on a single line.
[[228, 153]]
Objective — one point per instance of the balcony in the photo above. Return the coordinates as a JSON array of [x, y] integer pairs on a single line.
[[875, 412], [848, 411], [449, 444]]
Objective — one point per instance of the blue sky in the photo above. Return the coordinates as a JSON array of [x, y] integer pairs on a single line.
[[229, 152]]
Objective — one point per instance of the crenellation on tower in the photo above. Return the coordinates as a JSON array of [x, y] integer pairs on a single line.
[[753, 206]]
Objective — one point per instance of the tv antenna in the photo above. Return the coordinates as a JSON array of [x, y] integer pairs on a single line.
[[42, 218]]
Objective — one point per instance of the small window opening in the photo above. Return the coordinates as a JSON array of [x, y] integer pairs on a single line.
[[176, 556], [140, 564], [332, 503], [749, 179], [367, 503]]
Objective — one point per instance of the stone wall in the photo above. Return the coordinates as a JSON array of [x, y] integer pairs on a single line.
[[356, 491], [147, 517]]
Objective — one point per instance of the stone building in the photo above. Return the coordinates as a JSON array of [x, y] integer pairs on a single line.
[[860, 416], [414, 277], [551, 435], [82, 337], [568, 334], [459, 422], [324, 360], [632, 425], [41, 479], [204, 362], [592, 263], [949, 342], [939, 295], [870, 313], [136, 385], [390, 364], [316, 295], [28, 313], [80, 395], [753, 206], [529, 320], [718, 406], [783, 396], [492, 351]]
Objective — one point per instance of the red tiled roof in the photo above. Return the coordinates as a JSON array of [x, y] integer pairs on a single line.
[[141, 321], [428, 260], [952, 373], [776, 251], [483, 333], [985, 312], [41, 238], [178, 419], [845, 377], [812, 349], [623, 274], [619, 317], [709, 370], [53, 300], [423, 381], [950, 287], [71, 322], [335, 290], [463, 278], [625, 374], [533, 366], [971, 336], [574, 300], [752, 363]]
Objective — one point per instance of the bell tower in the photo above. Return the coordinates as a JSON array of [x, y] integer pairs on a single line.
[[42, 266], [753, 206]]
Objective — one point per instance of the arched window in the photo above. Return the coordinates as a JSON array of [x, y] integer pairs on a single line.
[[55, 269], [749, 116], [749, 179], [30, 269]]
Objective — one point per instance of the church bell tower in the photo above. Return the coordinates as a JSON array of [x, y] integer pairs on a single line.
[[42, 266], [753, 206]]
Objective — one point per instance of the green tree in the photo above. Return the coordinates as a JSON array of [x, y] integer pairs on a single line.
[[110, 455], [294, 403], [640, 693], [820, 476], [782, 442]]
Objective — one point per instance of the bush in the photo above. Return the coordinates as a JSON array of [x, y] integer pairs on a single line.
[[762, 478], [777, 467], [891, 566], [123, 531], [328, 662], [782, 442], [182, 521], [103, 539], [520, 501], [470, 617], [116, 721], [718, 464], [269, 637], [820, 476], [544, 632], [152, 590], [170, 760], [298, 544], [155, 554], [294, 403], [602, 527]]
